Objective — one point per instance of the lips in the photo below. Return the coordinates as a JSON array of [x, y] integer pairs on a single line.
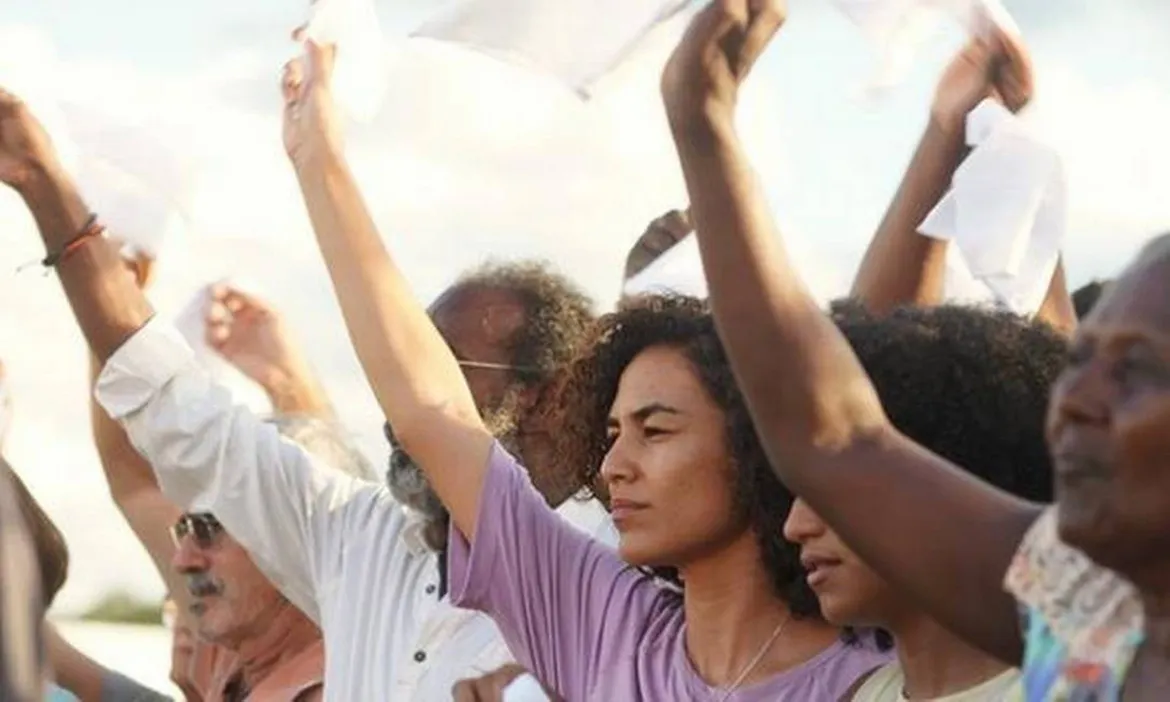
[[621, 509], [818, 567]]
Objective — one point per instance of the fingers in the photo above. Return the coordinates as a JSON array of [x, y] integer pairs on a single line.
[[228, 307], [465, 691], [291, 81], [1013, 77], [765, 17]]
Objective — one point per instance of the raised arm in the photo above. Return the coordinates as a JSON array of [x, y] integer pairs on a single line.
[[283, 505], [412, 371], [816, 411], [136, 492], [254, 337], [901, 266], [108, 305]]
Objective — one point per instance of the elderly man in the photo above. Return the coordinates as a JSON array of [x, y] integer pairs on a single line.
[[253, 643], [341, 549]]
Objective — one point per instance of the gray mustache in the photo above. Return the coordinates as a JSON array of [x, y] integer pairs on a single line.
[[203, 585]]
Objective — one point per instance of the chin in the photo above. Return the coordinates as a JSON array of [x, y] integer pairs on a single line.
[[1087, 528], [638, 553]]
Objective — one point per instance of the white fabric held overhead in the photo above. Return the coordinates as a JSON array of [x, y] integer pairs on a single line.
[[360, 72], [897, 28], [1006, 210], [578, 41]]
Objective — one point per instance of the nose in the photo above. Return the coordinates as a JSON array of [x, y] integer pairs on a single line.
[[802, 524], [188, 557], [1082, 395], [619, 464]]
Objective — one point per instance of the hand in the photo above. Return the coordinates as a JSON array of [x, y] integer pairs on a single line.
[[25, 148], [995, 65], [662, 234], [489, 688], [252, 337], [311, 121], [702, 79]]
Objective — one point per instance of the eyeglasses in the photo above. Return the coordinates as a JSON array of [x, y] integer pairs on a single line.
[[485, 365], [202, 526]]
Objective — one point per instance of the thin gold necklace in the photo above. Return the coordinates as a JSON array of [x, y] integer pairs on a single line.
[[727, 692]]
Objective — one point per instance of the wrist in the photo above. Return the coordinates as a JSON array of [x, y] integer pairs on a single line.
[[313, 163], [947, 124], [701, 128]]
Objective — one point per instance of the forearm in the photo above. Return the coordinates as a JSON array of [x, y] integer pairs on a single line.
[[105, 300], [127, 472], [901, 266], [296, 391], [412, 371], [805, 387]]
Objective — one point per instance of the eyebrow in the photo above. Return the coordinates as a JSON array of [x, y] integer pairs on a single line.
[[648, 411]]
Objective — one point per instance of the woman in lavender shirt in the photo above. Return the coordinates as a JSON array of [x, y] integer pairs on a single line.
[[652, 413], [588, 624]]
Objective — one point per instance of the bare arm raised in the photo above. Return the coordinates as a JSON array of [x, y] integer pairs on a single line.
[[411, 369], [814, 407], [903, 267]]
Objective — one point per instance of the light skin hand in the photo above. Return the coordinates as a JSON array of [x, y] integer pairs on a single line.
[[252, 336]]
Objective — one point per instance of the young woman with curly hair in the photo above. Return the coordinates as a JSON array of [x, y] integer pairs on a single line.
[[650, 414]]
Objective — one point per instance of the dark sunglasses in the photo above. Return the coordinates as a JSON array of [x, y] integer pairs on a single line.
[[202, 526]]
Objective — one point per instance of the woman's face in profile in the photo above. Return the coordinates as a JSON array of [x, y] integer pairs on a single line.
[[1109, 425], [849, 591], [668, 471]]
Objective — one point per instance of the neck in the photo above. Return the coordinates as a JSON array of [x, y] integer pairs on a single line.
[[935, 662], [286, 635], [732, 611]]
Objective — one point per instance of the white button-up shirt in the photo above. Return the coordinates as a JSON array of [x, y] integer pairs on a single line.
[[338, 547]]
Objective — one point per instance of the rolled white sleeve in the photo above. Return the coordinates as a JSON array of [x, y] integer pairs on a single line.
[[210, 455]]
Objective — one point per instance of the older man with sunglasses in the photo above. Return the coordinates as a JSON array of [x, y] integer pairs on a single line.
[[253, 643], [342, 549]]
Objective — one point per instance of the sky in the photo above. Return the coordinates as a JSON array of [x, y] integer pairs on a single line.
[[473, 159]]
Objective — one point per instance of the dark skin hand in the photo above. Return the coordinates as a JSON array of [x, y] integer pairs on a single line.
[[817, 413]]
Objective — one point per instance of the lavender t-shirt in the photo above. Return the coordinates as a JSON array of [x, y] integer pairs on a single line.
[[590, 626]]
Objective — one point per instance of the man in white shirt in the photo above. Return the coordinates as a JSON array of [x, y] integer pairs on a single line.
[[338, 547]]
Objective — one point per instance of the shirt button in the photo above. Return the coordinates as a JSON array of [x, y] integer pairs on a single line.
[[431, 589], [420, 656]]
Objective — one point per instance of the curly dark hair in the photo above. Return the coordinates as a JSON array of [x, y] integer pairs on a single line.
[[557, 315], [589, 389], [970, 384]]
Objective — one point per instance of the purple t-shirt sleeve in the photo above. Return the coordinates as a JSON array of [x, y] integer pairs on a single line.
[[567, 606]]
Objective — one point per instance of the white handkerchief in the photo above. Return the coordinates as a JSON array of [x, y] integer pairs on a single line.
[[524, 689], [897, 28], [678, 270], [360, 71], [135, 175], [1006, 208], [578, 41]]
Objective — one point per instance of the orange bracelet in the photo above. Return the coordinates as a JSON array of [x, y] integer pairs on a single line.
[[89, 231]]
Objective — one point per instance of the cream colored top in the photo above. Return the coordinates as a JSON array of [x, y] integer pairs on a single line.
[[887, 683]]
